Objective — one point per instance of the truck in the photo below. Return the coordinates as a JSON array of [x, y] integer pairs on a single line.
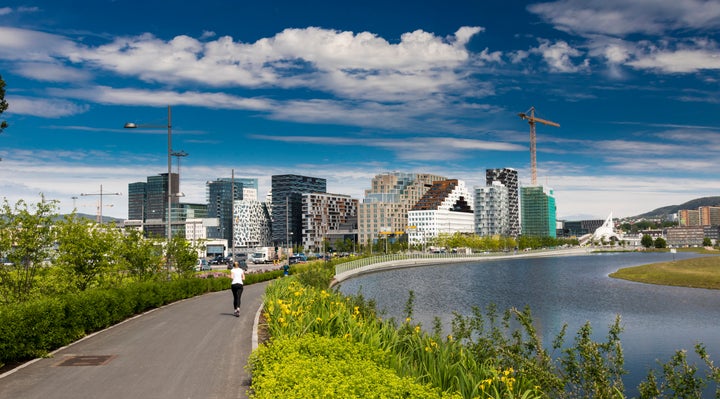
[[262, 255]]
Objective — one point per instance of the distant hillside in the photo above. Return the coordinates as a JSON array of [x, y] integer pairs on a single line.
[[106, 219], [671, 209]]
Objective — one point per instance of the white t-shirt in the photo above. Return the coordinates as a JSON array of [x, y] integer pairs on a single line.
[[238, 275]]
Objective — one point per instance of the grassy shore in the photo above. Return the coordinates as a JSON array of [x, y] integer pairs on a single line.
[[701, 272]]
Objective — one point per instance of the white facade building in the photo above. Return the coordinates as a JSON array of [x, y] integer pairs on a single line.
[[447, 207], [251, 222], [492, 211]]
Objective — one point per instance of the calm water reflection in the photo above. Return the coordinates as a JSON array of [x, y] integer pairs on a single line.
[[657, 320]]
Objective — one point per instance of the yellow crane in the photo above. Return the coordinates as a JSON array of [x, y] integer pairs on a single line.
[[532, 120]]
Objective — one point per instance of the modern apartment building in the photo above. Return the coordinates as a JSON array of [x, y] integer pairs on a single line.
[[492, 210], [148, 205], [446, 207], [386, 204], [709, 215], [689, 217], [508, 177], [287, 191], [327, 219], [537, 204]]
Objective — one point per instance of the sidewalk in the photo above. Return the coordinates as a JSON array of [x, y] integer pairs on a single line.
[[192, 349]]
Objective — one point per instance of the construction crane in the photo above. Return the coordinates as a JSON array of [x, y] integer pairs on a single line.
[[532, 120]]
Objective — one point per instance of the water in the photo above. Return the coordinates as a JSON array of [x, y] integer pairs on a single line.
[[657, 320]]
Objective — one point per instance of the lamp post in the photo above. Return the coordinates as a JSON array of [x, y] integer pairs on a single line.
[[131, 125]]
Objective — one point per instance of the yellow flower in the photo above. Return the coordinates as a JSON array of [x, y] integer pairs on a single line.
[[417, 329]]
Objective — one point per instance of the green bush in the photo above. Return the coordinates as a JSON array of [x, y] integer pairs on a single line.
[[34, 328], [313, 366]]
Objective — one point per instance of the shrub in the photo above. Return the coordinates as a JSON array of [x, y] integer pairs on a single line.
[[312, 366]]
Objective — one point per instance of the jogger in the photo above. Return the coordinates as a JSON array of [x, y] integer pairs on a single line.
[[236, 286]]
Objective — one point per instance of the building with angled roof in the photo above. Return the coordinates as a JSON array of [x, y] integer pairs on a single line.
[[447, 207], [385, 207]]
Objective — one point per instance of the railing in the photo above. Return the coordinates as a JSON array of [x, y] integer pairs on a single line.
[[345, 270]]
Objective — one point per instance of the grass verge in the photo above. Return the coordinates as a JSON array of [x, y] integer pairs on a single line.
[[703, 272]]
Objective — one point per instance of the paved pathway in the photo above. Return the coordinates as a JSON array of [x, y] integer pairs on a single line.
[[192, 349]]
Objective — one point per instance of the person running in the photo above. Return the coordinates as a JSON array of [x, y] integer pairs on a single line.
[[236, 286]]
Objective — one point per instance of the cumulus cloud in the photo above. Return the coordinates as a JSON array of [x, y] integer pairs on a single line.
[[351, 64], [559, 56]]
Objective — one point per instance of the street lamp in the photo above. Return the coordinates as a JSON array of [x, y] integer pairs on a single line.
[[131, 125]]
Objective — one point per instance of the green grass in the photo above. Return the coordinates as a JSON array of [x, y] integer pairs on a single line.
[[703, 272]]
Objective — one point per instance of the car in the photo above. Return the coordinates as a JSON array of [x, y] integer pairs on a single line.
[[202, 264], [241, 264], [296, 259]]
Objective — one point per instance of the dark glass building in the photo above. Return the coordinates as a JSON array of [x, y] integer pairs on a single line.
[[220, 198], [287, 191], [148, 202]]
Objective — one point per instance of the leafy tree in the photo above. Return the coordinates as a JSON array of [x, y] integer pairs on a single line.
[[141, 257], [85, 251], [646, 241], [26, 240], [183, 254], [707, 242], [3, 103], [660, 243]]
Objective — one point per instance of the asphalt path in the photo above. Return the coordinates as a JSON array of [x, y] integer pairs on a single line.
[[195, 348]]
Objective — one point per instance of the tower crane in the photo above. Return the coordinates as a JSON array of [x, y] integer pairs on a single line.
[[532, 120]]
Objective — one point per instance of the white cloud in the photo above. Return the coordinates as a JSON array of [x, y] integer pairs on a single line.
[[109, 95], [43, 107], [28, 45], [679, 61], [622, 17], [559, 56], [5, 10], [51, 72], [360, 65]]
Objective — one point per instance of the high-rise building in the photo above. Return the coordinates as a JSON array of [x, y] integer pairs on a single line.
[[446, 207], [221, 193], [387, 203], [148, 203], [287, 191], [709, 215], [328, 218], [689, 217], [538, 211], [508, 177], [492, 211]]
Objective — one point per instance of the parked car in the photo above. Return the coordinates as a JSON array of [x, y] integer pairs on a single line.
[[241, 263], [296, 259], [202, 264]]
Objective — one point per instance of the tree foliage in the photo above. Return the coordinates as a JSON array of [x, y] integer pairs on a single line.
[[85, 251], [26, 240], [646, 241], [3, 103]]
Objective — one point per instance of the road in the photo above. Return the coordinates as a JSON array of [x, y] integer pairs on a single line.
[[191, 349]]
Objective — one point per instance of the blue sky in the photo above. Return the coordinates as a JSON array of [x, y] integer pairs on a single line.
[[347, 90]]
